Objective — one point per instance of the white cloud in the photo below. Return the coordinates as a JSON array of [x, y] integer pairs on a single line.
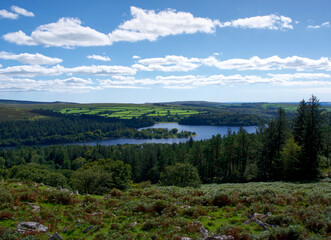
[[135, 57], [272, 22], [22, 11], [289, 77], [28, 58], [101, 70], [36, 70], [270, 63], [66, 32], [325, 24], [19, 38], [100, 58], [73, 85], [123, 78], [169, 63], [149, 25], [31, 71], [304, 83], [144, 25], [194, 81], [173, 63], [9, 15]]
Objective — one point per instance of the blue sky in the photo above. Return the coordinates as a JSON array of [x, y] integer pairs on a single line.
[[155, 51]]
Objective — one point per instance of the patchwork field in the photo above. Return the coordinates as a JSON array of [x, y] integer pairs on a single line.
[[128, 112]]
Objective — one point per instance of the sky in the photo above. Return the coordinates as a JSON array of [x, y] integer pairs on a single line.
[[137, 51]]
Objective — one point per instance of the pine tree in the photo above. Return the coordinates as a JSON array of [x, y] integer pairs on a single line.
[[308, 129], [274, 138]]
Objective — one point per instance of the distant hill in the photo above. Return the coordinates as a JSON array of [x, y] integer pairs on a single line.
[[6, 101]]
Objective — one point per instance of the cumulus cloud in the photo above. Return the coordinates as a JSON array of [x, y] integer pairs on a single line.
[[101, 70], [272, 22], [325, 24], [28, 58], [98, 57], [172, 63], [194, 81], [135, 57], [9, 15], [150, 25], [169, 63], [66, 32], [22, 11], [36, 70], [144, 25], [20, 38], [270, 63], [292, 76], [31, 71], [186, 81], [73, 85]]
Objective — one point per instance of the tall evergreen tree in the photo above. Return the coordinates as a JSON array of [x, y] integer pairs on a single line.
[[308, 126], [274, 138]]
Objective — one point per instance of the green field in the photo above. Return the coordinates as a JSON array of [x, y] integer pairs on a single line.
[[296, 211], [26, 111], [129, 111]]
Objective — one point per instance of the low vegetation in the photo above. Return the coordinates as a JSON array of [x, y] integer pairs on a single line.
[[145, 211]]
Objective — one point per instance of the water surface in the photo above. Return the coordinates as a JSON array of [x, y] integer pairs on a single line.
[[203, 132]]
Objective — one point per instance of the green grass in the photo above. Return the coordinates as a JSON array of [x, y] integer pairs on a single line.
[[128, 111], [171, 212]]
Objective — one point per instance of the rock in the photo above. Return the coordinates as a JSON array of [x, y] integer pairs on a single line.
[[78, 221], [203, 231], [23, 227], [55, 236], [87, 229], [35, 208], [178, 228], [63, 189], [219, 237], [256, 218], [197, 226], [184, 206], [97, 214], [186, 238]]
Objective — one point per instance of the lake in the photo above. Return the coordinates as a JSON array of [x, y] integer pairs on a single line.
[[203, 132]]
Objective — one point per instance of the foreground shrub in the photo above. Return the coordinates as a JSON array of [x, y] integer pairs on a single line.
[[5, 196], [180, 174], [59, 197], [101, 176], [39, 174], [293, 232]]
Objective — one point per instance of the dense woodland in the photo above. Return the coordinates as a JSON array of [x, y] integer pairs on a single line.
[[57, 128], [60, 128], [222, 119], [279, 150]]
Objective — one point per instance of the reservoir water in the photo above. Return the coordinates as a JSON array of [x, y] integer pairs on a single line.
[[203, 132]]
